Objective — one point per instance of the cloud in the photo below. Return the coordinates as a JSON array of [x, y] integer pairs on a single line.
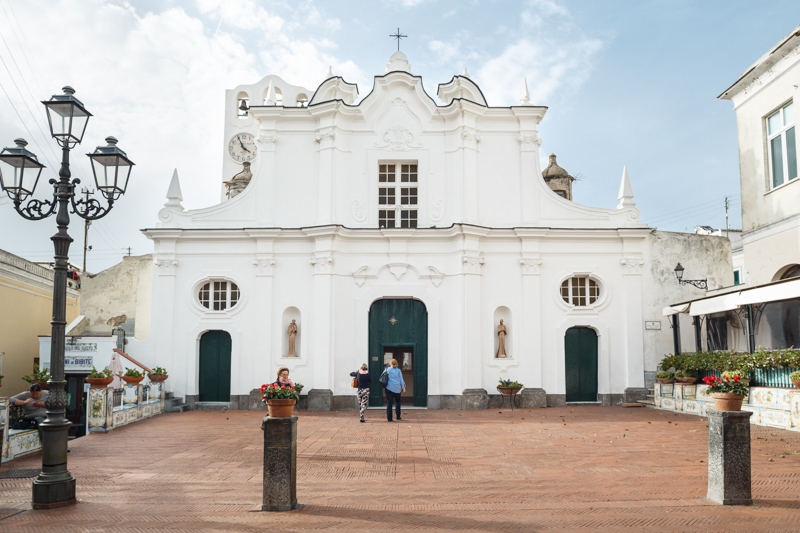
[[155, 80]]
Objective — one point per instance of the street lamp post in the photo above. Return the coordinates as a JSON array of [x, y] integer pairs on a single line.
[[19, 173]]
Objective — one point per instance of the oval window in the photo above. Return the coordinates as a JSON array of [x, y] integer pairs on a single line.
[[580, 291], [218, 295]]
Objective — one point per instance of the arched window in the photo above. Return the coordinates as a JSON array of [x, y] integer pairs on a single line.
[[218, 295], [242, 105], [302, 100], [791, 272], [580, 291]]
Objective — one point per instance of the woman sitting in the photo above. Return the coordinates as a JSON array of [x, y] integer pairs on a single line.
[[283, 377]]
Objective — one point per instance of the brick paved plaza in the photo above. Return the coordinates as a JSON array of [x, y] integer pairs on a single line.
[[573, 469]]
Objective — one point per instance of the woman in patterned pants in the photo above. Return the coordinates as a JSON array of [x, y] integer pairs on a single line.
[[363, 387]]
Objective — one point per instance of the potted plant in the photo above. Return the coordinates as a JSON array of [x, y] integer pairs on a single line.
[[686, 376], [728, 392], [100, 379], [132, 376], [298, 387], [665, 377], [39, 376], [280, 399], [508, 387], [157, 375], [794, 376], [742, 375]]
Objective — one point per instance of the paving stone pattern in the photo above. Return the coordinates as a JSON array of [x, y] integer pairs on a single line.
[[570, 469]]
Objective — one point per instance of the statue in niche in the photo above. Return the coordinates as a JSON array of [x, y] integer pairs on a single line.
[[502, 331], [292, 331]]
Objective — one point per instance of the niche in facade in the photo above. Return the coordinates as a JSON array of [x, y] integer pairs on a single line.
[[502, 333], [290, 314]]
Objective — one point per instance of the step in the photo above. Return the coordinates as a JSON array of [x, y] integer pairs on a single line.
[[647, 403], [212, 406], [184, 407]]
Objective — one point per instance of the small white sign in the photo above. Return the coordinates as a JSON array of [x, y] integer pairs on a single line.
[[74, 363], [652, 324]]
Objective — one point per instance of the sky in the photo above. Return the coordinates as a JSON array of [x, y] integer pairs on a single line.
[[627, 83]]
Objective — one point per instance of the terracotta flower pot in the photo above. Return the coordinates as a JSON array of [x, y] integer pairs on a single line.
[[687, 380], [99, 383], [796, 383], [43, 384], [666, 381], [157, 378], [132, 380], [509, 390], [726, 401], [280, 408]]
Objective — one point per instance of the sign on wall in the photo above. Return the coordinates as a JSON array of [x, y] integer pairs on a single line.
[[655, 324], [75, 363]]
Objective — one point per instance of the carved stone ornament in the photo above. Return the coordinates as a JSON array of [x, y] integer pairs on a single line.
[[267, 141], [264, 267], [56, 398], [437, 210], [360, 275], [399, 139], [632, 265], [530, 142], [530, 266], [470, 136], [472, 264], [166, 267], [436, 276], [398, 269], [323, 264], [325, 138]]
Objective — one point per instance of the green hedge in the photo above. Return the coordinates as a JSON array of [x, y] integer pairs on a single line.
[[722, 361]]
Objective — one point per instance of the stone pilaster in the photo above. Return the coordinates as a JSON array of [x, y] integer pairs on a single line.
[[729, 457]]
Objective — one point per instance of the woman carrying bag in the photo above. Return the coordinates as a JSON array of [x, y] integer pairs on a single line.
[[394, 387], [361, 380]]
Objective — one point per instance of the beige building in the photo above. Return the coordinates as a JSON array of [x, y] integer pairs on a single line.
[[26, 293], [764, 99]]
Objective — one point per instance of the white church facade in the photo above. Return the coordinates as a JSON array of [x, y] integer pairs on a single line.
[[396, 226]]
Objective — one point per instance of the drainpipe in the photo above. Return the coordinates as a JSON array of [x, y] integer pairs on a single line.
[[698, 338], [676, 333], [751, 330]]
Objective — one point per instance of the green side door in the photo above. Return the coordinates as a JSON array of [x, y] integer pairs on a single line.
[[580, 361], [215, 367]]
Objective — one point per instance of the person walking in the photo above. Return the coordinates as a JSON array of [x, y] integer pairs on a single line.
[[363, 387], [394, 387]]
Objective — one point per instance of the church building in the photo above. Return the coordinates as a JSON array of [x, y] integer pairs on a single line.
[[398, 226]]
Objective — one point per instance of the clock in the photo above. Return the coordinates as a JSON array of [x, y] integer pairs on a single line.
[[242, 147]]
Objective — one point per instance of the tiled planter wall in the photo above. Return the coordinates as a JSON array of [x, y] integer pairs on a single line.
[[771, 406]]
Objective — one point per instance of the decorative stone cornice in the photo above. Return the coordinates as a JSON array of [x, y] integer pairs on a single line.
[[325, 139], [632, 266], [530, 266], [472, 264], [264, 266], [323, 264], [530, 142], [166, 267]]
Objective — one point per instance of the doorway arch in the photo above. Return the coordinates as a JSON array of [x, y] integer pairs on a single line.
[[398, 328], [214, 380], [580, 364]]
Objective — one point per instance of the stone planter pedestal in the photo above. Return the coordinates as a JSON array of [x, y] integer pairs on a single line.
[[729, 457], [280, 464]]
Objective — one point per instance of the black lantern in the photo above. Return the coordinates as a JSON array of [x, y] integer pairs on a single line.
[[679, 271], [67, 117], [699, 283], [19, 171], [111, 168]]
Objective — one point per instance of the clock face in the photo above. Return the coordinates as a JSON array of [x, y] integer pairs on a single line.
[[242, 147]]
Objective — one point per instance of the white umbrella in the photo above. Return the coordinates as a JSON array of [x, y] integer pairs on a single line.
[[116, 369]]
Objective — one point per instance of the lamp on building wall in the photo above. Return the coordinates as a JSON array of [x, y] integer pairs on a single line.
[[19, 173], [699, 283]]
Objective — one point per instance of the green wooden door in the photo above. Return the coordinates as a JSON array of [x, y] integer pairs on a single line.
[[580, 361], [399, 326], [215, 367]]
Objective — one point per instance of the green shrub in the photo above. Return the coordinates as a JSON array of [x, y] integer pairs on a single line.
[[157, 371], [132, 372], [665, 375], [105, 373], [722, 361]]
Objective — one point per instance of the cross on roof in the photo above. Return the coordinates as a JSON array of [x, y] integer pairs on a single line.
[[398, 36]]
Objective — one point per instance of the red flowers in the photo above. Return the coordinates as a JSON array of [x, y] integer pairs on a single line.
[[737, 379]]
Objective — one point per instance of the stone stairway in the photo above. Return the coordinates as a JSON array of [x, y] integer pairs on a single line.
[[651, 399], [174, 405]]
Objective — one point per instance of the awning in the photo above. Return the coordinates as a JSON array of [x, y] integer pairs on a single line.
[[717, 304], [771, 293], [675, 309]]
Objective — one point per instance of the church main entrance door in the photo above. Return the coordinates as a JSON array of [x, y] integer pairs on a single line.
[[580, 360], [398, 329], [215, 366]]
